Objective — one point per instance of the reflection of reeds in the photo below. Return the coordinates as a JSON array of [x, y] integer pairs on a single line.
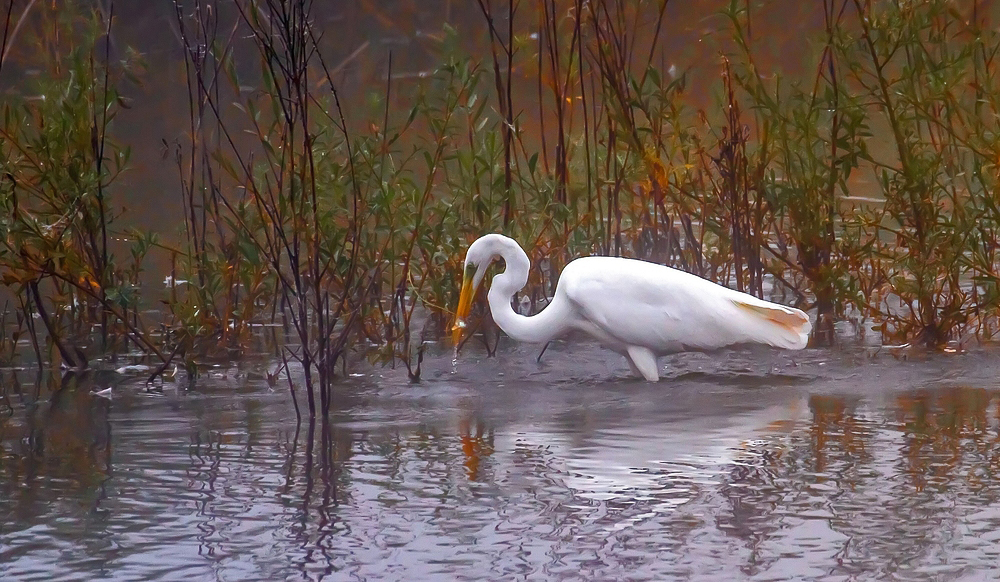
[[925, 454]]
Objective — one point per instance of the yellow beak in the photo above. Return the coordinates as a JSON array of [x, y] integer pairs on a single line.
[[464, 306]]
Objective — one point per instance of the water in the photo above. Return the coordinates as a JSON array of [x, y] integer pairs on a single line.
[[755, 464]]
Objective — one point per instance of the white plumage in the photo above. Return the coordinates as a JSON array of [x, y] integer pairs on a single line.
[[639, 309]]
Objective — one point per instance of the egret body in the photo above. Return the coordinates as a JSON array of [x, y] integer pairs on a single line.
[[639, 309]]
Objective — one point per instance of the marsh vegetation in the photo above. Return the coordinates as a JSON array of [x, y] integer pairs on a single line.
[[862, 187]]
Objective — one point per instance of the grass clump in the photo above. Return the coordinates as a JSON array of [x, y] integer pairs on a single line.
[[57, 224]]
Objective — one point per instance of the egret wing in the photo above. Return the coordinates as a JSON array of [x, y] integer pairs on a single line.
[[640, 303], [666, 310]]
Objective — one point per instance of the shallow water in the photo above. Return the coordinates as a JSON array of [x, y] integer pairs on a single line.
[[748, 464]]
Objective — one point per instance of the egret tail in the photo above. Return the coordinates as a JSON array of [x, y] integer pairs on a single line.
[[775, 325]]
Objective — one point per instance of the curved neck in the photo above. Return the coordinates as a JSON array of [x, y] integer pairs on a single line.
[[540, 328]]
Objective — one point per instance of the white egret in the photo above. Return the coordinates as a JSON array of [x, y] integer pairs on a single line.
[[639, 309]]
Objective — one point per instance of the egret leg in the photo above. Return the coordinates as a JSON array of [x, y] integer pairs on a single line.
[[540, 354], [643, 361]]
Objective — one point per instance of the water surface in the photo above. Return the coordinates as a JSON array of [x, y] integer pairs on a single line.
[[748, 464]]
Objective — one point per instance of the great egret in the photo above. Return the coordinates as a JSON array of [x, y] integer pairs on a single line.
[[639, 309]]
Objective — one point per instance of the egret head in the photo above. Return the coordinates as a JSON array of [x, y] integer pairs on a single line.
[[481, 253]]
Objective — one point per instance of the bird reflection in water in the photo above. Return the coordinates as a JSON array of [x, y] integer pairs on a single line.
[[476, 447]]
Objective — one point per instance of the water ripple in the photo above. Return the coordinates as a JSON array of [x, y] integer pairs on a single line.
[[753, 465]]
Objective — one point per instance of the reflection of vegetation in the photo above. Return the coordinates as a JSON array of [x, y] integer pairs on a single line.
[[293, 214], [887, 487], [64, 437]]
